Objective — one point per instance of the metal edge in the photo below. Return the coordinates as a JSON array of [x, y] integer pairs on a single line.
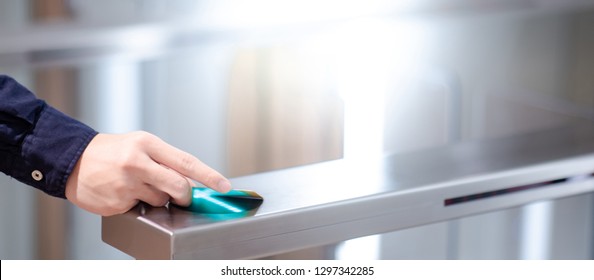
[[136, 237]]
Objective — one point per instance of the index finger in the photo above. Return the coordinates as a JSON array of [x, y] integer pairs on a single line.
[[188, 165]]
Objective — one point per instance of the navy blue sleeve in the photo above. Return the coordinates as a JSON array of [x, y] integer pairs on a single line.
[[39, 145]]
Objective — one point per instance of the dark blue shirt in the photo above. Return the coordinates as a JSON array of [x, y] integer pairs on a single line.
[[39, 145]]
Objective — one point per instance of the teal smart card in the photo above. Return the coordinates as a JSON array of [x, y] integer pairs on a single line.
[[208, 201]]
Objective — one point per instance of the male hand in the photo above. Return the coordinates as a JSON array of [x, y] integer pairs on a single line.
[[117, 171]]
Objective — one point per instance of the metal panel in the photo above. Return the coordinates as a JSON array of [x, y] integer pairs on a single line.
[[310, 206]]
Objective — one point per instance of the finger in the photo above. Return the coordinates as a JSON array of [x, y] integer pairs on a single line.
[[152, 196], [190, 181], [168, 181], [188, 166]]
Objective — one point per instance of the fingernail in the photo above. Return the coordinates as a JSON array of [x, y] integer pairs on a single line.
[[223, 186]]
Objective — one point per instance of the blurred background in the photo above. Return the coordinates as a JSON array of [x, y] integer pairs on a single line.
[[258, 85]]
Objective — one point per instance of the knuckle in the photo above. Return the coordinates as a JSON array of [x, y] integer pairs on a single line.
[[143, 138], [187, 163], [212, 179], [180, 187], [127, 165], [130, 161]]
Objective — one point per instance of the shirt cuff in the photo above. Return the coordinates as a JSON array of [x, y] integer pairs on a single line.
[[50, 152]]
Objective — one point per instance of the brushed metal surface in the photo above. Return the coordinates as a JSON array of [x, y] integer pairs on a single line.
[[340, 200]]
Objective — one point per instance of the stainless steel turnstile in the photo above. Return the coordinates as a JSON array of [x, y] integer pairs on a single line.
[[339, 200]]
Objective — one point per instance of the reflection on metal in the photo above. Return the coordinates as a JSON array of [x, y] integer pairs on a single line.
[[310, 206]]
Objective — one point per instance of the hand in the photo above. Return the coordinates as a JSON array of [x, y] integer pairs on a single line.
[[116, 171]]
